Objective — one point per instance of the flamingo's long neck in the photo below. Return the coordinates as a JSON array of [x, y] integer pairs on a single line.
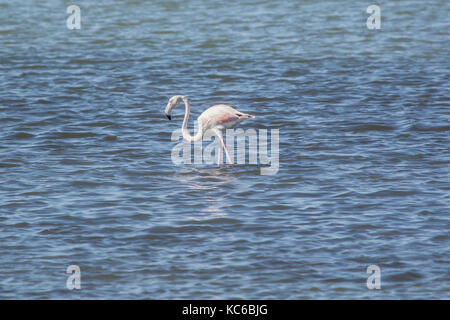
[[186, 135]]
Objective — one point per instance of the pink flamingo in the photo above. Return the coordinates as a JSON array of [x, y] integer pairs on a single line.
[[217, 118]]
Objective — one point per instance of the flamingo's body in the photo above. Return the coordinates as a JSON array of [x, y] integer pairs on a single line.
[[217, 118]]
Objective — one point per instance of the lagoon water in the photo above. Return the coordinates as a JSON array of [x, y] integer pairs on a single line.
[[85, 150]]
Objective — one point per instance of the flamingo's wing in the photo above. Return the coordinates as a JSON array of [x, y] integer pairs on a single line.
[[228, 117], [218, 115], [222, 116]]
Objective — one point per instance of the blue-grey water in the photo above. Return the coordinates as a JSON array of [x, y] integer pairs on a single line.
[[85, 150]]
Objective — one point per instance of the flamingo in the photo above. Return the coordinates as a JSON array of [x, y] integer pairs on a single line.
[[217, 118]]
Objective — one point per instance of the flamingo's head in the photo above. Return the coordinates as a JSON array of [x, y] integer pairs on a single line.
[[173, 102]]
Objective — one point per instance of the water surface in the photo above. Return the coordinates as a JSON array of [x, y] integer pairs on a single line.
[[87, 177]]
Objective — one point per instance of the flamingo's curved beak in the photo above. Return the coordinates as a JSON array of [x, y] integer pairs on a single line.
[[168, 116]]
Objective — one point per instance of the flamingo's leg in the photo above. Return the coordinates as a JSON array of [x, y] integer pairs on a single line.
[[225, 148], [219, 156]]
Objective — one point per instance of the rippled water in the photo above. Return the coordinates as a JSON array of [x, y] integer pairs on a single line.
[[87, 177]]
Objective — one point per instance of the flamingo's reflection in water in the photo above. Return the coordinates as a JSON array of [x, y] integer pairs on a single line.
[[207, 185]]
